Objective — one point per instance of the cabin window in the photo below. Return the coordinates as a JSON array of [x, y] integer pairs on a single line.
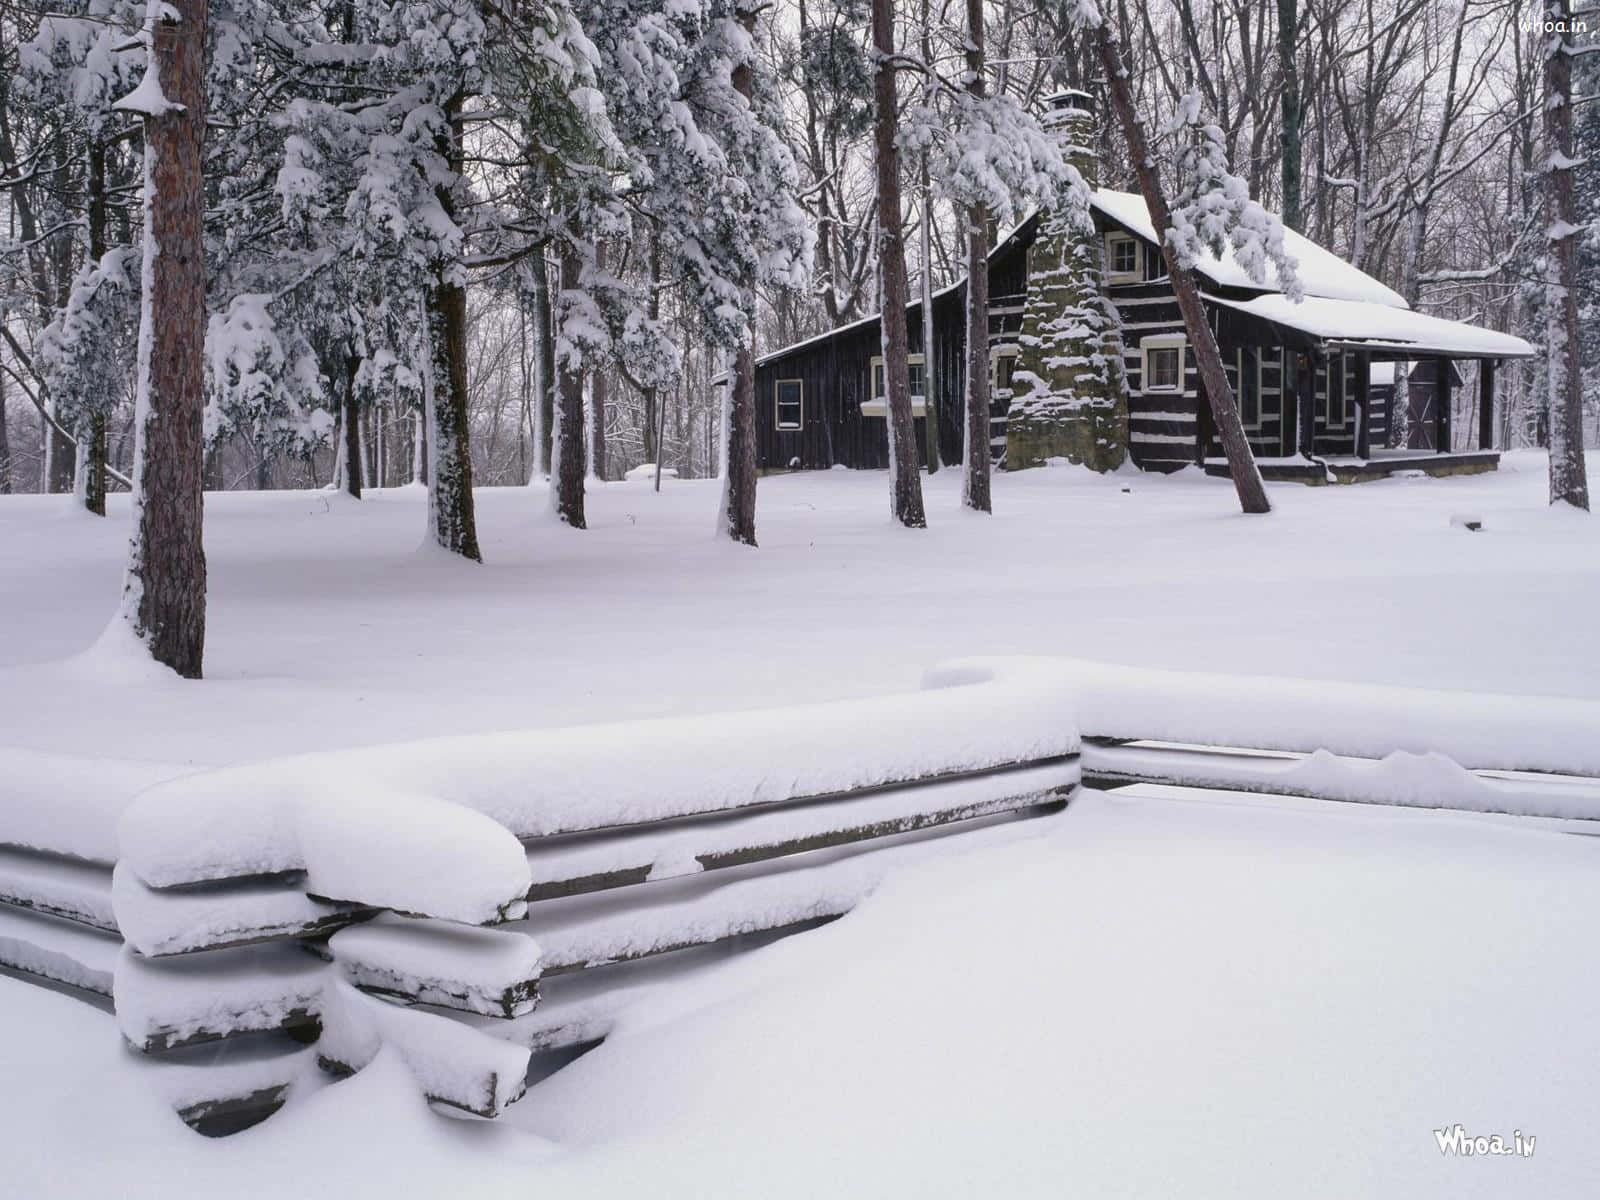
[[915, 368], [1002, 366], [1248, 387], [1163, 363], [790, 403], [1123, 260]]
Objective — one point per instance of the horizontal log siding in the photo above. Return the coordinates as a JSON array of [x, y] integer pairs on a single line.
[[1161, 427]]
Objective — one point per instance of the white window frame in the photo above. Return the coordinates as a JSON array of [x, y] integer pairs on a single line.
[[1163, 341], [878, 404], [777, 404], [1112, 274], [996, 353]]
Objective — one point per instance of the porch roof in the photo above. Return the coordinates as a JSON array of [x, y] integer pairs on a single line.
[[1393, 332]]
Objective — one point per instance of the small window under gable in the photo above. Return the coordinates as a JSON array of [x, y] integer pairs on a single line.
[[790, 400], [1124, 259], [1163, 363]]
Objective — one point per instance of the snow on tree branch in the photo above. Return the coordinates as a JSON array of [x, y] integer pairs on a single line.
[[1214, 210]]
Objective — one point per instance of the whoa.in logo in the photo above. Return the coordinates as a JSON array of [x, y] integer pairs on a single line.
[[1456, 1141]]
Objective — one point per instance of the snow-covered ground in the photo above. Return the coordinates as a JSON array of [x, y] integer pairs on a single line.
[[1150, 997]]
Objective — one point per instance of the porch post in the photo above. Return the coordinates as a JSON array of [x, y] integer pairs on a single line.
[[1441, 405], [1486, 403], [1364, 402]]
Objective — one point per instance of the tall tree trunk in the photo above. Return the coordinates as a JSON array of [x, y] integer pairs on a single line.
[[60, 455], [737, 519], [353, 473], [545, 358], [1568, 482], [566, 467], [91, 482], [452, 518], [906, 482], [930, 357], [5, 440], [164, 595], [598, 394], [1241, 463], [1289, 135], [975, 479], [652, 394]]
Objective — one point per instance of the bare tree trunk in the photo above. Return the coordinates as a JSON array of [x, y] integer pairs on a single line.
[[164, 595], [930, 357], [452, 517], [906, 482], [1289, 135], [598, 393], [1241, 463], [1568, 482], [566, 467], [975, 477], [738, 516], [652, 395], [352, 432], [91, 484], [545, 360], [5, 440]]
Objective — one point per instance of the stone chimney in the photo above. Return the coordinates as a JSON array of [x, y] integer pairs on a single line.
[[1069, 399]]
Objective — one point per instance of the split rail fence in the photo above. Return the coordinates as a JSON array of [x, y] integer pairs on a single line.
[[473, 902]]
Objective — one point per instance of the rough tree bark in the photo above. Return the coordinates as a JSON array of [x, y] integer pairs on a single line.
[[598, 393], [566, 466], [91, 483], [164, 592], [1289, 134], [352, 432], [1568, 483], [906, 481], [652, 395], [5, 439], [1241, 463], [737, 519], [452, 518], [930, 356], [544, 327], [975, 477]]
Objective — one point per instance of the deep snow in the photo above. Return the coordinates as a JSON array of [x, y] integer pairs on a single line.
[[1149, 997], [328, 627]]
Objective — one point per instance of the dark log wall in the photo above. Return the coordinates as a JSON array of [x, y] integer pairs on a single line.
[[1165, 429], [834, 371]]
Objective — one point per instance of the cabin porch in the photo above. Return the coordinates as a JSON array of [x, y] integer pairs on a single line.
[[1338, 406]]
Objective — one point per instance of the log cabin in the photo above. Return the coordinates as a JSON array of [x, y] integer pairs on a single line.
[[1089, 362]]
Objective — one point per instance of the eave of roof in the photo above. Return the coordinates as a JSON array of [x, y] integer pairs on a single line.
[[1350, 324]]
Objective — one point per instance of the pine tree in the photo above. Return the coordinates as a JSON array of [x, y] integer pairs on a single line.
[[165, 589], [906, 480], [1568, 481]]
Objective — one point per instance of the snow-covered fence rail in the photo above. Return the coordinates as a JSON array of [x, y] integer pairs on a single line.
[[454, 875], [417, 899]]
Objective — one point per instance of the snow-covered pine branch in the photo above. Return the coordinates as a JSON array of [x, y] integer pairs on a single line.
[[1213, 209]]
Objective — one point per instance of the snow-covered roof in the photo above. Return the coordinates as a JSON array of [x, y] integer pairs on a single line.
[[1374, 327], [1322, 273]]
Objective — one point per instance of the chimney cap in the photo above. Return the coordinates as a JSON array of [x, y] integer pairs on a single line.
[[1069, 99]]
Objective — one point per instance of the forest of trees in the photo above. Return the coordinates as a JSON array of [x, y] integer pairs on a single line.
[[467, 242]]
